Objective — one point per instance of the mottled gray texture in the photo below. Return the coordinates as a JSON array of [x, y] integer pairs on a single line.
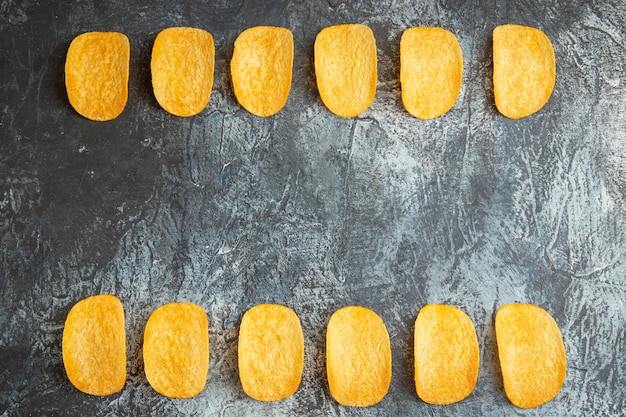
[[305, 209]]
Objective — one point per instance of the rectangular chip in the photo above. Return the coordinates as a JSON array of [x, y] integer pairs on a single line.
[[271, 352], [182, 65], [346, 68], [176, 350], [358, 357], [94, 345], [261, 69], [431, 71], [96, 74], [524, 70], [532, 354], [446, 354]]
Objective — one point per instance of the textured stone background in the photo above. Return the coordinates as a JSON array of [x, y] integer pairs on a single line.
[[305, 209]]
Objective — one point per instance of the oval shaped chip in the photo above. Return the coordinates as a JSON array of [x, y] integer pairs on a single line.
[[524, 70], [532, 355], [446, 354], [358, 357], [261, 69], [431, 71], [271, 352], [176, 350], [94, 345], [96, 74], [346, 68], [182, 65]]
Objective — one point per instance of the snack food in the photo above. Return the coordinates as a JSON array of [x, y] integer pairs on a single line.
[[176, 350], [446, 354], [96, 74], [358, 357], [431, 71], [271, 352], [524, 70], [346, 68], [261, 69], [94, 345], [531, 352], [182, 66]]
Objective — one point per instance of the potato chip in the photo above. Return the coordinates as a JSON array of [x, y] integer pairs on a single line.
[[446, 354], [94, 345], [346, 68], [176, 350], [182, 65], [261, 69], [532, 355], [96, 74], [431, 70], [358, 357], [271, 352], [524, 70]]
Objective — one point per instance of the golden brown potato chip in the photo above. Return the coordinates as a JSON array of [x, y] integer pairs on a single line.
[[182, 66], [346, 68], [446, 354], [524, 70], [431, 70], [532, 355], [271, 352], [358, 357], [94, 345], [176, 350], [261, 69], [96, 74]]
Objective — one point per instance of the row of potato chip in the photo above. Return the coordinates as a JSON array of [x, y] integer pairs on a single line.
[[358, 353], [431, 69]]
